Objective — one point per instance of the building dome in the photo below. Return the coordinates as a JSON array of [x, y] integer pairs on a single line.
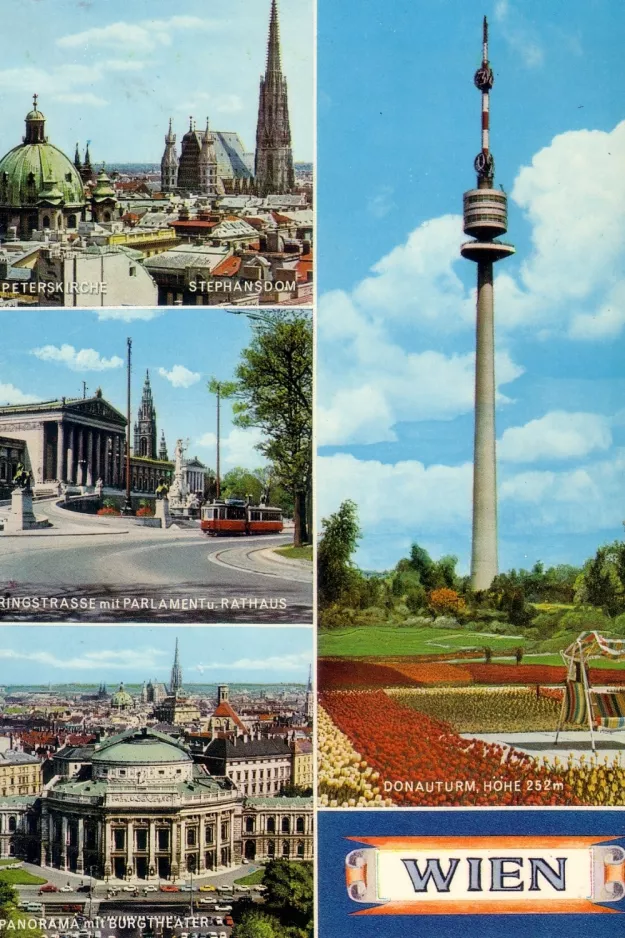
[[141, 751], [121, 699], [142, 755], [26, 171]]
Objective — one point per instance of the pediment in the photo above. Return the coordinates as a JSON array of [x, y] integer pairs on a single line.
[[97, 407]]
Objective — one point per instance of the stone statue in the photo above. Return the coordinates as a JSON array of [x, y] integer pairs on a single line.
[[22, 477]]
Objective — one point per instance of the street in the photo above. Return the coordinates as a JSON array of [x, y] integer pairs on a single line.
[[85, 570]]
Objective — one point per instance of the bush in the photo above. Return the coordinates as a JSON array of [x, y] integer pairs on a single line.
[[445, 622], [416, 599], [445, 601]]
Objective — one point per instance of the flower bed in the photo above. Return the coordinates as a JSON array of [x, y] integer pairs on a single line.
[[435, 673], [345, 779], [343, 673], [108, 511]]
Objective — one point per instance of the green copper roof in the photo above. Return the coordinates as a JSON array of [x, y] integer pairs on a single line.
[[27, 169], [140, 751]]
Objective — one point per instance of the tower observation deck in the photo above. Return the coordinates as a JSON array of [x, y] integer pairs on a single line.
[[485, 219]]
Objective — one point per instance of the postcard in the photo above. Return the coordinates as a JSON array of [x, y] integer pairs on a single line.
[[471, 558], [155, 779], [148, 469], [153, 154]]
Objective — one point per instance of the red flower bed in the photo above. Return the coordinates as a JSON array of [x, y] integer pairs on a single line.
[[409, 747], [145, 513], [435, 673], [338, 673], [108, 511], [536, 674]]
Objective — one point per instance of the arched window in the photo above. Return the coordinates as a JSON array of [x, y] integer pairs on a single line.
[[71, 221], [271, 825], [299, 825], [12, 823], [249, 825], [46, 221], [271, 848], [300, 848], [286, 825], [286, 850]]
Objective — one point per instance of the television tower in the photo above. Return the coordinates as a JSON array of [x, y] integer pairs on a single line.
[[485, 218]]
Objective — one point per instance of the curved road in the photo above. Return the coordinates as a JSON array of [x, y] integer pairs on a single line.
[[128, 573]]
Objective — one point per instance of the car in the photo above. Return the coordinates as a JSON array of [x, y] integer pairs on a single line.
[[187, 887], [259, 888], [66, 888], [71, 907], [129, 888], [242, 888], [207, 902], [223, 908], [33, 907], [208, 888], [228, 920], [244, 861], [84, 887], [151, 887], [169, 887], [48, 887]]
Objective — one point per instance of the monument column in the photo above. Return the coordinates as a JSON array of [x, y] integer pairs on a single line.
[[90, 457], [60, 452]]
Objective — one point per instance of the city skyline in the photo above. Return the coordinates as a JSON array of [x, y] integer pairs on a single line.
[[396, 318], [142, 67], [133, 654], [70, 347]]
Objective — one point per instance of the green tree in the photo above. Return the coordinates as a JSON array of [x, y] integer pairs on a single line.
[[274, 393], [421, 561], [336, 574], [241, 483], [289, 890], [255, 924], [599, 583]]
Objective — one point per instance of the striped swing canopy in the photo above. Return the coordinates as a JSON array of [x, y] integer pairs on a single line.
[[575, 709], [607, 704]]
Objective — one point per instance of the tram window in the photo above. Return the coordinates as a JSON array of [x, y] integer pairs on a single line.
[[222, 514]]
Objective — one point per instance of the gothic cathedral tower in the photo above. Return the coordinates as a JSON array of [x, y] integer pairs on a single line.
[[169, 163], [145, 427], [274, 158]]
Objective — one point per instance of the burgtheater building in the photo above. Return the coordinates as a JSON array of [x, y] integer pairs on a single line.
[[136, 807]]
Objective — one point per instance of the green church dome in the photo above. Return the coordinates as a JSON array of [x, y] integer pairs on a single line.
[[121, 698], [36, 171]]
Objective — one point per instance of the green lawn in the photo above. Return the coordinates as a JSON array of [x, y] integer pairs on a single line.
[[21, 878], [380, 640], [252, 879], [599, 663], [9, 861], [296, 553]]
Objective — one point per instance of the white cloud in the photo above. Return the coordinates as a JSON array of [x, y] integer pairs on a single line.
[[381, 203], [129, 313], [288, 662], [214, 103], [179, 376], [573, 194], [86, 359], [519, 34], [147, 660], [61, 82], [238, 447], [141, 37], [9, 394], [368, 382], [557, 435]]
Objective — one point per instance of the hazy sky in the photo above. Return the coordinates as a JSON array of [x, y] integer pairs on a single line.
[[181, 348], [90, 654], [114, 72], [399, 126]]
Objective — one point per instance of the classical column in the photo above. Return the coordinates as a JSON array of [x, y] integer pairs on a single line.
[[106, 476], [80, 473], [106, 853], [80, 862], [122, 460], [60, 452], [64, 843], [130, 844], [202, 846], [90, 479], [218, 821], [182, 865], [173, 848], [152, 847], [97, 443], [70, 453]]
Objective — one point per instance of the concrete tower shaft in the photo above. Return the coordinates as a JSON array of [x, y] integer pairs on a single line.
[[485, 217]]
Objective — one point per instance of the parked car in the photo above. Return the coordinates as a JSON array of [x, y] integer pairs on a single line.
[[242, 888], [208, 888], [150, 887], [223, 908], [187, 887], [33, 907], [71, 907], [48, 887], [169, 887], [84, 887], [66, 888], [207, 902]]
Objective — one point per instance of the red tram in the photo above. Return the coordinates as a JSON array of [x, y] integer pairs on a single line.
[[234, 516]]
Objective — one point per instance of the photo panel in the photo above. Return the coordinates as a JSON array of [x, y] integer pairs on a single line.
[[166, 154], [156, 779], [471, 584], [156, 466]]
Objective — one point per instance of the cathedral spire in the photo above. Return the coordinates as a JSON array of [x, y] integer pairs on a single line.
[[77, 161], [273, 44], [273, 165], [145, 443], [175, 683]]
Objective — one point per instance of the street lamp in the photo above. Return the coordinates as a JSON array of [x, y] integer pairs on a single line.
[[127, 507]]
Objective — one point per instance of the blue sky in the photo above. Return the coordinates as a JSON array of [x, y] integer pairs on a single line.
[[399, 126], [39, 654], [114, 72], [181, 348]]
